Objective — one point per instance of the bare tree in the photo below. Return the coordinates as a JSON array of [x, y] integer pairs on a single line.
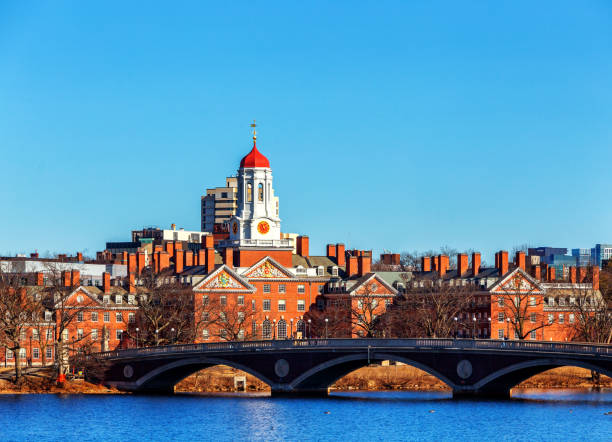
[[231, 320], [592, 316], [16, 311], [331, 321]]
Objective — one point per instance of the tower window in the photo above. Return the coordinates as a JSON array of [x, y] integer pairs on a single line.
[[249, 192], [260, 192]]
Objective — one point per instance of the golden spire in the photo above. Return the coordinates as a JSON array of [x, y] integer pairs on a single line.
[[253, 125]]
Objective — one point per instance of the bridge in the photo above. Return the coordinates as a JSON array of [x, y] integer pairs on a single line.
[[309, 367]]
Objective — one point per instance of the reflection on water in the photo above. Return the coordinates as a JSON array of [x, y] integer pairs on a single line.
[[395, 415]]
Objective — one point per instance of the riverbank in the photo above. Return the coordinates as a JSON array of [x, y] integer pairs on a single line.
[[374, 378]]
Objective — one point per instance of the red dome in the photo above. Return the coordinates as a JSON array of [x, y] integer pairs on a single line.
[[254, 159]]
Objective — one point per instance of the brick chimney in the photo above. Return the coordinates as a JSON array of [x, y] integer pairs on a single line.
[[40, 279], [188, 258], [106, 282], [582, 272], [208, 241], [140, 261], [131, 264], [301, 246], [34, 255], [179, 257], [519, 260], [75, 278], [572, 274], [550, 276], [475, 263], [364, 265], [497, 260], [462, 263], [503, 262], [131, 283], [435, 262], [178, 245], [426, 264], [331, 251], [66, 278], [595, 277], [351, 266], [79, 256], [170, 248], [209, 260], [164, 261], [536, 272], [228, 257], [200, 258], [341, 255], [443, 262]]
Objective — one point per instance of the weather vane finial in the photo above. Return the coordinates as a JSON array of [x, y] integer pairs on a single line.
[[253, 125]]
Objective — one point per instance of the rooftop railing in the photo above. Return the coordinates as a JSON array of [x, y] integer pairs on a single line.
[[420, 343]]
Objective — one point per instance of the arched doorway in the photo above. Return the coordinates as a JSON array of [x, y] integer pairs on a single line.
[[281, 332]]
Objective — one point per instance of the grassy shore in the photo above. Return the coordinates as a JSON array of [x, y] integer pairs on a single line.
[[374, 378]]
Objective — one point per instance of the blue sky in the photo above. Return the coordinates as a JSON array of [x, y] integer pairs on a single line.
[[388, 125]]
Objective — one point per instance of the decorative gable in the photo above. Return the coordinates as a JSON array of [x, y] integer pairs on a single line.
[[373, 286], [267, 268], [222, 279], [517, 282], [79, 297]]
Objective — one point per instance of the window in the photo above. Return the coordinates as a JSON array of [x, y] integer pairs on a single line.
[[561, 318], [266, 288], [80, 299], [562, 302], [320, 271], [49, 334], [334, 271], [94, 316], [205, 300], [35, 353], [282, 306], [266, 329], [9, 354], [249, 192], [241, 334], [551, 302], [80, 333], [48, 353], [35, 334], [205, 316], [48, 316], [500, 317], [253, 305], [266, 305], [282, 288], [65, 335], [301, 327], [22, 353], [301, 305], [205, 334], [118, 299], [500, 302], [240, 316], [80, 317], [223, 300], [223, 333], [118, 317], [500, 333], [131, 318], [572, 318], [532, 301], [106, 299], [532, 335], [282, 329], [551, 318], [260, 192], [532, 317], [240, 300], [94, 333], [572, 301], [119, 333], [301, 288], [106, 317]]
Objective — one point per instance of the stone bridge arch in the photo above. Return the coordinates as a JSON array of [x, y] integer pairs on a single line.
[[318, 379], [163, 378], [505, 379]]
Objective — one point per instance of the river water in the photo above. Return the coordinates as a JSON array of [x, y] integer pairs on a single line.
[[555, 415]]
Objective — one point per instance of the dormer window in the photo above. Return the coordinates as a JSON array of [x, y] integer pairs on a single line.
[[106, 299], [131, 299], [320, 271], [334, 271], [118, 299], [300, 270]]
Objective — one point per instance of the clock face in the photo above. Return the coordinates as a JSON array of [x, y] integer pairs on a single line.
[[263, 227], [235, 228]]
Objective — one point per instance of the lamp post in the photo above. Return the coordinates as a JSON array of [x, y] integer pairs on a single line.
[[274, 325], [309, 328], [508, 328], [137, 330], [156, 337], [31, 356], [291, 334], [456, 327], [326, 321], [474, 327], [173, 335], [489, 332]]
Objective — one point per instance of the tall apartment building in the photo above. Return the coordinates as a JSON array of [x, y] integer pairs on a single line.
[[583, 256], [600, 253], [219, 204]]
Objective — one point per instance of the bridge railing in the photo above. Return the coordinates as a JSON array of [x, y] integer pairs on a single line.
[[421, 343]]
